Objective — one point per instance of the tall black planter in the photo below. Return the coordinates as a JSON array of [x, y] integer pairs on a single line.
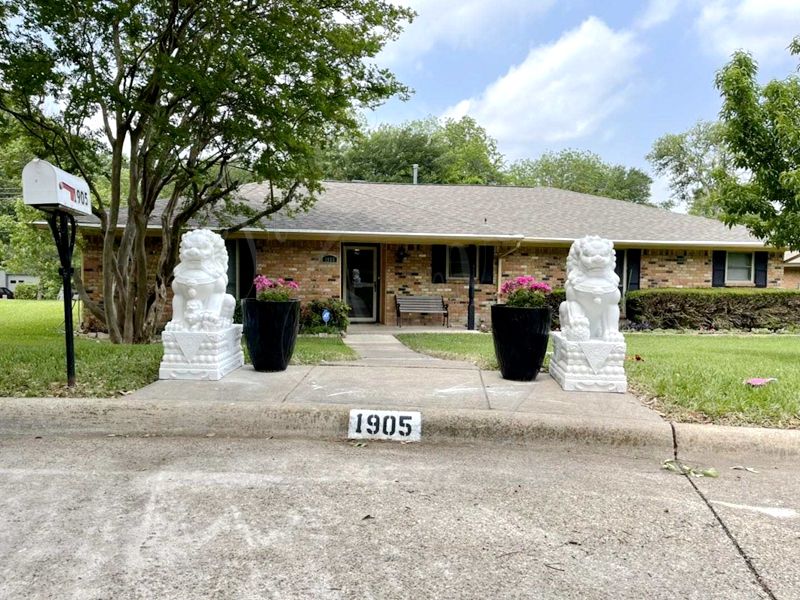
[[520, 340], [270, 329]]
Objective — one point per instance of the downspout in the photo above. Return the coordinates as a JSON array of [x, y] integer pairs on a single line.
[[500, 258]]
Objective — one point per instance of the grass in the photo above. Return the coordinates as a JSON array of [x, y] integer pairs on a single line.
[[314, 350], [472, 347], [693, 378], [32, 360], [699, 378], [32, 355]]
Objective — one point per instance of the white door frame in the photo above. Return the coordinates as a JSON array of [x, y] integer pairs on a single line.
[[375, 283]]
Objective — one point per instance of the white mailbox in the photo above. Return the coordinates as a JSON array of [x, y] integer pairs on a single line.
[[48, 187]]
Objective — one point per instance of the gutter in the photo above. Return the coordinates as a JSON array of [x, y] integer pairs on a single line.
[[401, 236]]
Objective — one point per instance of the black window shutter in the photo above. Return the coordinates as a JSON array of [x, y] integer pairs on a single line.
[[718, 268], [634, 269], [486, 263], [247, 268], [620, 264], [761, 262], [439, 263]]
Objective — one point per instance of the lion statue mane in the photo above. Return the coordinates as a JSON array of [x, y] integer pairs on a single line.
[[591, 310], [200, 280]]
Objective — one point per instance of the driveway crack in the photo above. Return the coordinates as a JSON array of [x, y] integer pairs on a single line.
[[748, 561], [296, 385], [485, 391]]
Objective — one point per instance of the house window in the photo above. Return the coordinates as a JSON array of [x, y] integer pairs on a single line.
[[458, 262], [739, 268]]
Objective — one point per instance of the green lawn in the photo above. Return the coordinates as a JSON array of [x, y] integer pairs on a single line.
[[688, 377], [32, 352], [700, 378], [314, 350], [473, 347]]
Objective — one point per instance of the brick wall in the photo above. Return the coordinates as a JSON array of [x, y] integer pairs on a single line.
[[545, 264], [692, 268], [302, 261], [411, 275], [791, 278], [675, 268]]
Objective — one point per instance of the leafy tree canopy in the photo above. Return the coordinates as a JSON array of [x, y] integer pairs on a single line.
[[23, 248], [761, 128], [447, 151], [583, 172], [690, 160], [189, 95]]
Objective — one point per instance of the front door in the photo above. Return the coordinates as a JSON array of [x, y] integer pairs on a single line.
[[360, 282]]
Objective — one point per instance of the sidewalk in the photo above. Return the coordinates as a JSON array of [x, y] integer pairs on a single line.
[[457, 400]]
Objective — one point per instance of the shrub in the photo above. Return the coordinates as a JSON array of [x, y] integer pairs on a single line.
[[311, 316], [554, 300], [26, 291], [714, 308]]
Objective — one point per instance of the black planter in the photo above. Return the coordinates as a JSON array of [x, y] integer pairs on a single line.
[[270, 329], [520, 340]]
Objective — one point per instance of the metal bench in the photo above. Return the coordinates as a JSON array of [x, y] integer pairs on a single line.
[[423, 305]]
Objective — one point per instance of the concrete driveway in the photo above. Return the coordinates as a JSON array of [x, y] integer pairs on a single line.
[[258, 518]]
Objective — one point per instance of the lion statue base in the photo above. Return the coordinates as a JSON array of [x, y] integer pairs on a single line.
[[201, 341], [589, 351]]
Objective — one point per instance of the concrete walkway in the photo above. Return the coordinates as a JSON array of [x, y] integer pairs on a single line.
[[383, 349]]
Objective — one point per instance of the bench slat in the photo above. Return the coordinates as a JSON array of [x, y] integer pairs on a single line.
[[422, 305]]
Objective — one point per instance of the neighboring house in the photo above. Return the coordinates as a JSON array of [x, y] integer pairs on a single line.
[[791, 270], [11, 280], [368, 242]]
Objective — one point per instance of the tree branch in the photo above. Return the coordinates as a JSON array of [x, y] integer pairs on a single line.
[[273, 208]]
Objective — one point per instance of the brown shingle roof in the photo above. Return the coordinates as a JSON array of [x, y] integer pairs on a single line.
[[540, 214], [543, 214]]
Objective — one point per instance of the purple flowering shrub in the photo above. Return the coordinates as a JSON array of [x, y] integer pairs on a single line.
[[274, 290], [525, 292]]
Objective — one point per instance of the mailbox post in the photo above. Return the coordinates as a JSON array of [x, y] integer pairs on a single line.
[[61, 196]]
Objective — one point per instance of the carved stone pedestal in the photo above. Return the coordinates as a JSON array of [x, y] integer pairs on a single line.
[[590, 366], [201, 355]]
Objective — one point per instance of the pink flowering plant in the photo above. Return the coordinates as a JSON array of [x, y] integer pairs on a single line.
[[274, 290], [525, 292]]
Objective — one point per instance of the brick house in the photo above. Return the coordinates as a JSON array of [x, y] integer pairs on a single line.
[[791, 271], [368, 242]]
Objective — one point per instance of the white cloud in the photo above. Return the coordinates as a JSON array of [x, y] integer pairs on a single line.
[[561, 91], [763, 27], [656, 13], [462, 24]]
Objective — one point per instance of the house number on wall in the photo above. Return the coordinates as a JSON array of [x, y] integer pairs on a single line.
[[398, 425]]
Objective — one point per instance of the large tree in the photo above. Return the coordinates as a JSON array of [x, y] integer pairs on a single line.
[[689, 160], [583, 172], [191, 94], [762, 131], [448, 151], [23, 247]]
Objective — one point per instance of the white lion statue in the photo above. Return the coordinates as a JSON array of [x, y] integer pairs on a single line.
[[591, 310], [200, 280]]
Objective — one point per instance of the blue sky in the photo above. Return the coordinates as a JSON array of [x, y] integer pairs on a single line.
[[610, 77]]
